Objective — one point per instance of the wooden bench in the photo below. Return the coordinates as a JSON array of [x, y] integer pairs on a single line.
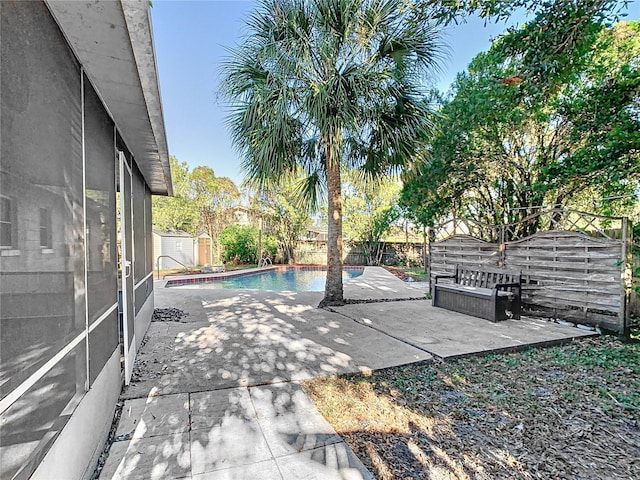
[[489, 293]]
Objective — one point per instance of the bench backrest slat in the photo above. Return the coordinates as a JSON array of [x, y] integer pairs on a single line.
[[485, 278]]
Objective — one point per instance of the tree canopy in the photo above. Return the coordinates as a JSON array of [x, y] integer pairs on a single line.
[[215, 199], [285, 215], [550, 45], [177, 212], [505, 146], [202, 202], [370, 210]]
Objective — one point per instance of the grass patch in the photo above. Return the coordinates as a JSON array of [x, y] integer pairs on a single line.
[[416, 273], [569, 411]]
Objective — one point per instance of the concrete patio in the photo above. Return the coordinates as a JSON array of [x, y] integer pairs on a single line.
[[216, 395]]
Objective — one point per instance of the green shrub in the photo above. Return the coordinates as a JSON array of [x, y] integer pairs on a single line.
[[269, 246], [240, 244]]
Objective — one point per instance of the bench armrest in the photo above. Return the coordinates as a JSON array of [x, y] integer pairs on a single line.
[[436, 277]]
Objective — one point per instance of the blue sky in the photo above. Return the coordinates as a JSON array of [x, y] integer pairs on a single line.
[[191, 38]]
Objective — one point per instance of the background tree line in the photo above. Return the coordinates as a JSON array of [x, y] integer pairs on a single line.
[[241, 219], [202, 203]]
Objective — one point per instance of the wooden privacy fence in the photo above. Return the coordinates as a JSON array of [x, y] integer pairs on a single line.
[[582, 274], [634, 304]]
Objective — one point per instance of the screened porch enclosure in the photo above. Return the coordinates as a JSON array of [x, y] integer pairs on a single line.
[[61, 322]]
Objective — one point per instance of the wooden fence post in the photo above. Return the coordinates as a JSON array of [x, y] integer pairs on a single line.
[[626, 276], [431, 235], [424, 250], [502, 247]]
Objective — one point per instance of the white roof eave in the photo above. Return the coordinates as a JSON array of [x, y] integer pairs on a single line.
[[113, 41]]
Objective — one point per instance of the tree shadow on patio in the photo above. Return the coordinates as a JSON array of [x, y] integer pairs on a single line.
[[243, 339]]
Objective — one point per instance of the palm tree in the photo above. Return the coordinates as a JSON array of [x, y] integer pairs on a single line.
[[327, 85]]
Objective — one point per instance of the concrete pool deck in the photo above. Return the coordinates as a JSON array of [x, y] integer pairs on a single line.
[[216, 395]]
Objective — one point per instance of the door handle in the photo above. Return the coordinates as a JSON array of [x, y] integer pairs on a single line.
[[127, 268]]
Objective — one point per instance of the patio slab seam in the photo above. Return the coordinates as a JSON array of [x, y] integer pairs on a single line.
[[373, 327], [297, 438]]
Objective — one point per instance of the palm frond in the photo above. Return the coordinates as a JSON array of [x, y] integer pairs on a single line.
[[330, 80]]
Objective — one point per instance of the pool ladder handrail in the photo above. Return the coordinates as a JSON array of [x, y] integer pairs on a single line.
[[187, 270], [264, 262]]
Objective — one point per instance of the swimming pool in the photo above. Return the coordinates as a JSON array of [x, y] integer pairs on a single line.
[[292, 279]]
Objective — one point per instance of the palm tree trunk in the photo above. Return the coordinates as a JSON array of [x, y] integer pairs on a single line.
[[333, 291]]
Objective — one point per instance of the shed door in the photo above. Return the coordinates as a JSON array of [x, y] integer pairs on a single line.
[[204, 251]]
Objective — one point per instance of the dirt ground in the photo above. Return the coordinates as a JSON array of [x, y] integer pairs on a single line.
[[569, 411]]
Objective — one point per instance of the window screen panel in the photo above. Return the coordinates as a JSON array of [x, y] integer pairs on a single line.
[[143, 291], [101, 205], [103, 341], [148, 229], [42, 299], [41, 291], [139, 233], [31, 424]]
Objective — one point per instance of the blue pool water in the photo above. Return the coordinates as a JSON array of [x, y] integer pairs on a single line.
[[293, 280]]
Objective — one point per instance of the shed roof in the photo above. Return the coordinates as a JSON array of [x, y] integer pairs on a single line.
[[175, 233]]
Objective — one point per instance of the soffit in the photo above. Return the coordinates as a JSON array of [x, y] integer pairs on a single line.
[[113, 41]]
